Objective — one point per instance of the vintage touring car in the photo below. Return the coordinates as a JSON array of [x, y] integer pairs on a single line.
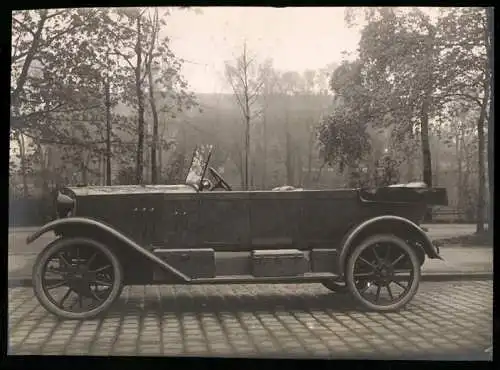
[[365, 242]]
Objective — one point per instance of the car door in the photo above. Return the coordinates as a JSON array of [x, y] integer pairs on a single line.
[[148, 210], [224, 220], [178, 222], [275, 219]]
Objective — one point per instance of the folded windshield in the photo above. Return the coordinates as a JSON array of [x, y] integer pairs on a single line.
[[199, 162]]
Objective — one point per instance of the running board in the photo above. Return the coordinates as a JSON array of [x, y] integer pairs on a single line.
[[309, 277]]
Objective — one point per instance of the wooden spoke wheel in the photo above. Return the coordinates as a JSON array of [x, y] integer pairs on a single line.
[[389, 269], [77, 278]]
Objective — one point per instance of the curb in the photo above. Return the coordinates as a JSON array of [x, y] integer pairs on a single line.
[[456, 276], [427, 277]]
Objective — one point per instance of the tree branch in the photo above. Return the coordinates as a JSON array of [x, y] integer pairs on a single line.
[[29, 58], [117, 52], [23, 26], [462, 95], [149, 56], [235, 91], [49, 16]]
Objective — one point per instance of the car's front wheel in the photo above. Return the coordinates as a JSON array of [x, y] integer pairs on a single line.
[[77, 278], [391, 269]]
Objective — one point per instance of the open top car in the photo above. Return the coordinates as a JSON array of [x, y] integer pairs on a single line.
[[365, 242]]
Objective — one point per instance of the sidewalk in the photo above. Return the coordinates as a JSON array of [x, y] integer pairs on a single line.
[[23, 229], [460, 263]]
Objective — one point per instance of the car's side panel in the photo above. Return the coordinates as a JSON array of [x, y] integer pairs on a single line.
[[224, 220], [275, 219], [413, 212], [119, 211], [187, 222], [327, 215], [178, 222]]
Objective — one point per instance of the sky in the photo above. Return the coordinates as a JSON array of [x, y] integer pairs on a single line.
[[295, 38]]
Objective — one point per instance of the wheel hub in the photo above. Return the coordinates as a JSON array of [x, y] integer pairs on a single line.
[[384, 274], [79, 279]]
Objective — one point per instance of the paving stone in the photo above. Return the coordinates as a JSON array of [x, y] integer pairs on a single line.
[[260, 320]]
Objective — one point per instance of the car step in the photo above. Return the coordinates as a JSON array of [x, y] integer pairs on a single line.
[[311, 277]]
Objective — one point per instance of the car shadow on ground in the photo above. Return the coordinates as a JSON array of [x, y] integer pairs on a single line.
[[261, 303]]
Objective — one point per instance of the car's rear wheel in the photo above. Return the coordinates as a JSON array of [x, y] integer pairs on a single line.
[[390, 269], [77, 278], [335, 286], [339, 286]]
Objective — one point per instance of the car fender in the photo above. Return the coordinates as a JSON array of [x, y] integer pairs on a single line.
[[351, 238], [63, 223]]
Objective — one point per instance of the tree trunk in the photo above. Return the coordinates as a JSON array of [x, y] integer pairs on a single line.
[[43, 168], [160, 153], [458, 155], [264, 149], [50, 175], [426, 150], [411, 168], [435, 171], [480, 161], [154, 143], [102, 169], [241, 167], [288, 150], [108, 133], [318, 176], [152, 102], [298, 167], [22, 157], [247, 149], [491, 116], [84, 168], [252, 176], [21, 81], [288, 159], [140, 108], [309, 155]]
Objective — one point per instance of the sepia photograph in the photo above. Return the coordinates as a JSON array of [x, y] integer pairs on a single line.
[[252, 182]]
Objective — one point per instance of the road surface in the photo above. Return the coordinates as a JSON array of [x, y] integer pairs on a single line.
[[444, 321]]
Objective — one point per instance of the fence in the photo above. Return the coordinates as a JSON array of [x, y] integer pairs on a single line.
[[455, 215]]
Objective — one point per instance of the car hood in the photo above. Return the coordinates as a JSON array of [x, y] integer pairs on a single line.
[[131, 189]]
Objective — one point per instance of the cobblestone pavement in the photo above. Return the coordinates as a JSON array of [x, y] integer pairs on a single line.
[[444, 319]]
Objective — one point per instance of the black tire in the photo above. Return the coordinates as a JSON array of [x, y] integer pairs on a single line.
[[339, 287], [335, 286], [70, 278], [381, 272]]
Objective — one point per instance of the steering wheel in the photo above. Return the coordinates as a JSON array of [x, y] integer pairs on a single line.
[[220, 181]]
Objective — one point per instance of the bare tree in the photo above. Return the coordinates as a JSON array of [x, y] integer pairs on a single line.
[[154, 168], [246, 85], [134, 32], [269, 79]]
